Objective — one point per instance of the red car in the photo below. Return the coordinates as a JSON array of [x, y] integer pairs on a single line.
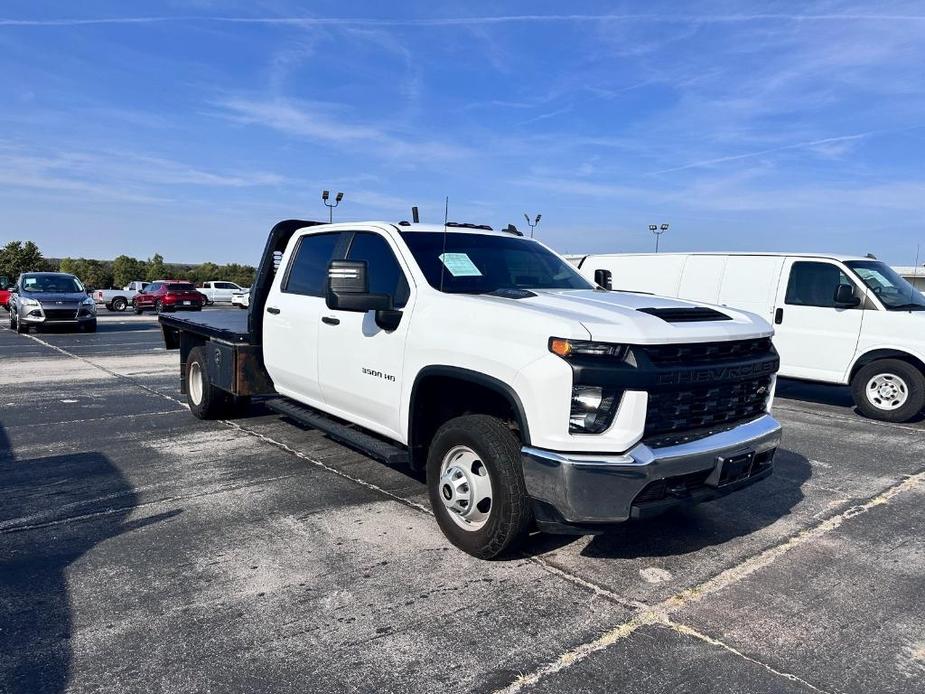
[[169, 295], [5, 298]]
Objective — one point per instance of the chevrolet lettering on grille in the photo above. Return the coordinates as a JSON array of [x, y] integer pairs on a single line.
[[722, 373]]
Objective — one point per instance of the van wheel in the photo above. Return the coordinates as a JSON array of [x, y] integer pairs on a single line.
[[476, 485], [118, 304], [890, 390]]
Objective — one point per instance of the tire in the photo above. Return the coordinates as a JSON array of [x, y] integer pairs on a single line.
[[118, 304], [12, 322], [204, 399], [890, 390], [158, 306], [21, 327], [464, 452], [89, 327]]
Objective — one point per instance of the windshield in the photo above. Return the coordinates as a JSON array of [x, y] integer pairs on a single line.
[[62, 284], [896, 293], [480, 263]]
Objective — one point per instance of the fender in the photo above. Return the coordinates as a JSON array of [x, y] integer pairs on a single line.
[[884, 353], [478, 378]]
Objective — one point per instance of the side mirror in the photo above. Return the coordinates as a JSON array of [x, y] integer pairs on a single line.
[[603, 278], [348, 288], [845, 297]]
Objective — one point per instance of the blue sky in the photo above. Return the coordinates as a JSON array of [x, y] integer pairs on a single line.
[[189, 128]]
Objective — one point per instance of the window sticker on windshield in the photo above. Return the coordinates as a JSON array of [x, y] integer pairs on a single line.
[[459, 265]]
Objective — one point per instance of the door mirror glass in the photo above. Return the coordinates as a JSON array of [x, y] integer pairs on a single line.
[[348, 288], [845, 296], [603, 278]]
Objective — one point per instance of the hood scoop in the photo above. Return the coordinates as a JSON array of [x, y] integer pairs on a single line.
[[512, 293], [685, 314]]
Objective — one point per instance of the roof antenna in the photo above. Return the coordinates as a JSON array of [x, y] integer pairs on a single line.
[[415, 217], [446, 216]]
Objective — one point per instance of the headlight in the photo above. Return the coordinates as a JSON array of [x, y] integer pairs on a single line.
[[575, 348], [88, 302], [593, 409], [29, 302]]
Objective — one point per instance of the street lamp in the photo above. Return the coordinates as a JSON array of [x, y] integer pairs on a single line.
[[658, 230], [331, 205], [532, 224]]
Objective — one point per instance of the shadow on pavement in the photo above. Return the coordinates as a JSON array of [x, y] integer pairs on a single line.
[[691, 529], [53, 510]]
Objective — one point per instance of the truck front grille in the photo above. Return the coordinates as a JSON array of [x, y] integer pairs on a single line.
[[712, 352], [705, 408]]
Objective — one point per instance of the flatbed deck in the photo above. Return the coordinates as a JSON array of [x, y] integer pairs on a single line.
[[226, 325]]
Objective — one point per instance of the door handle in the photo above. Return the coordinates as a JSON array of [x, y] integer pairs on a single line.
[[330, 321], [273, 310], [779, 316]]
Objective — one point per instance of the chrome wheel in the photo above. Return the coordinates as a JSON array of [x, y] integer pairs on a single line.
[[465, 488], [194, 383], [887, 391]]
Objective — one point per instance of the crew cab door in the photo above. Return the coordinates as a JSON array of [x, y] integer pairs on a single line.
[[815, 336], [292, 316], [360, 363]]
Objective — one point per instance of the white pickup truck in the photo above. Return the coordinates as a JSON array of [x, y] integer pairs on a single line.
[[119, 299], [221, 292], [530, 397]]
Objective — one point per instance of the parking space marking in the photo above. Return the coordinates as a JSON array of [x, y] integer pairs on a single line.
[[660, 614]]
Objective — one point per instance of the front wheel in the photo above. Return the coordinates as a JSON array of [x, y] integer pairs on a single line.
[[476, 485], [21, 327], [890, 390]]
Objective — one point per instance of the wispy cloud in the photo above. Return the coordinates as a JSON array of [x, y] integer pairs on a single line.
[[116, 175], [479, 20], [813, 144], [328, 123]]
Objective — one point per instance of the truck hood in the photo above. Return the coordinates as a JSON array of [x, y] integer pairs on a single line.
[[615, 317]]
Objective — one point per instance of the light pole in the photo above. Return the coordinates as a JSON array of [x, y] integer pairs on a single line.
[[337, 198], [658, 230], [532, 224]]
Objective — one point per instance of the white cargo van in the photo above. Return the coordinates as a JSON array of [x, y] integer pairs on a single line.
[[837, 319]]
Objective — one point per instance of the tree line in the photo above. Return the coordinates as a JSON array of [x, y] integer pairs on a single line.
[[19, 256]]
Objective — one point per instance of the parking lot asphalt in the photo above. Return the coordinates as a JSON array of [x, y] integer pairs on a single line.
[[144, 550]]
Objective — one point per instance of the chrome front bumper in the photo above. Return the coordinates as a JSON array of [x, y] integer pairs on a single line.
[[583, 488]]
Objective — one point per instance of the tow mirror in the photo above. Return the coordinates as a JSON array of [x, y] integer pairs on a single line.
[[603, 278], [348, 288], [845, 297]]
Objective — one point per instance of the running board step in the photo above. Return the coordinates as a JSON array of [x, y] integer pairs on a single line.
[[371, 445]]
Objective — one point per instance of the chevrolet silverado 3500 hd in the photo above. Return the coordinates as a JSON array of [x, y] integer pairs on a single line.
[[529, 396]]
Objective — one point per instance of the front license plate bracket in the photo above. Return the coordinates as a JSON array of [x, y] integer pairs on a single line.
[[731, 469]]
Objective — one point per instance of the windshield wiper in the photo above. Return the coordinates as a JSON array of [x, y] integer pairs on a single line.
[[908, 307]]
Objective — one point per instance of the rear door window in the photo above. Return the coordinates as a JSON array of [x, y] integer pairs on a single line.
[[308, 269]]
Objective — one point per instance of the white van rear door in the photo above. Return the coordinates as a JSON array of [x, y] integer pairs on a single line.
[[816, 339]]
